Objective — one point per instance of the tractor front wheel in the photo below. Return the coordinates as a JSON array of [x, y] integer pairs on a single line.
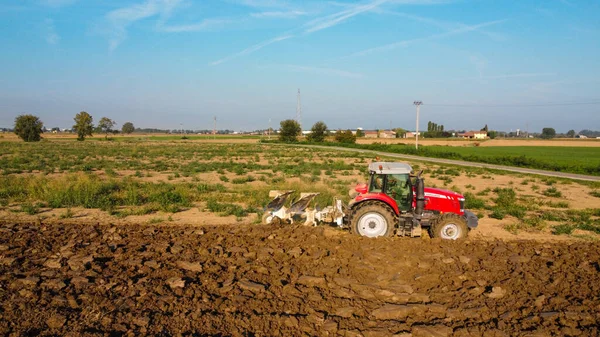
[[373, 220], [449, 226]]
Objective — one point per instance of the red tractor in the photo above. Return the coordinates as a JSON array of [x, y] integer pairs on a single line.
[[394, 202]]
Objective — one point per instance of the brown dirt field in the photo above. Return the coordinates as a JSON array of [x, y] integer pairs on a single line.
[[240, 280]]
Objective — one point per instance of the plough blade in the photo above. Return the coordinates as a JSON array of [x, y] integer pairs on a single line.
[[278, 201], [301, 204]]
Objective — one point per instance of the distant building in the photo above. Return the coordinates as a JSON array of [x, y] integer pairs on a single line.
[[370, 134], [474, 135]]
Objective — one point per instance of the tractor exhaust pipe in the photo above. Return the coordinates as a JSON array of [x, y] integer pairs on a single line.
[[420, 188]]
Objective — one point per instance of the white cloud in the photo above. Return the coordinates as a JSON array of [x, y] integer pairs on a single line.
[[278, 15], [405, 43], [57, 3], [499, 77], [339, 17], [310, 27], [204, 25], [120, 19], [50, 32], [261, 3], [252, 49], [323, 71]]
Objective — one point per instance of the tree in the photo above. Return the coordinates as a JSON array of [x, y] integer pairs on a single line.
[[571, 134], [548, 133], [317, 133], [345, 137], [127, 128], [105, 125], [289, 131], [492, 134], [400, 132], [359, 133], [83, 125], [29, 128], [485, 128]]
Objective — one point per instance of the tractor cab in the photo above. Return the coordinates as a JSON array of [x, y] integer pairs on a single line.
[[392, 179]]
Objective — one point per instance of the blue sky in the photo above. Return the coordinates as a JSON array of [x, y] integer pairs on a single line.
[[162, 63]]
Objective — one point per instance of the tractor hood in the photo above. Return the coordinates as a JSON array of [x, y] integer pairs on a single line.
[[431, 192]]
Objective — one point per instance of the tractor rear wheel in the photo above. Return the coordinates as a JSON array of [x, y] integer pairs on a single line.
[[449, 226], [373, 220]]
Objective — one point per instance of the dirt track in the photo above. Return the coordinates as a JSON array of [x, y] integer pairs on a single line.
[[258, 280]]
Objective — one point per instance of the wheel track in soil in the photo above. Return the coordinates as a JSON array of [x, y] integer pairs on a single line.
[[288, 280]]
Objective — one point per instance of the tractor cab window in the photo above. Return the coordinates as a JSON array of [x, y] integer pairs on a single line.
[[398, 187], [377, 181]]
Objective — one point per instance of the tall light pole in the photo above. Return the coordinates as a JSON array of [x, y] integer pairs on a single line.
[[418, 104], [215, 127]]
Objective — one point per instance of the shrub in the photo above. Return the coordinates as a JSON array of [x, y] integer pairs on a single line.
[[563, 229], [345, 137], [552, 192], [29, 128]]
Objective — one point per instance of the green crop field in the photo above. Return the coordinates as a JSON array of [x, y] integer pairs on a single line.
[[576, 158], [582, 160]]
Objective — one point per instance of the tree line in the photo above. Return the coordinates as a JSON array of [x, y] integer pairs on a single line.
[[30, 128]]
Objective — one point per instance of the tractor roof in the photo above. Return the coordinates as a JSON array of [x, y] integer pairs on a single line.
[[390, 168]]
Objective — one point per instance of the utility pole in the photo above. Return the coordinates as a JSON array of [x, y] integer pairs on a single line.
[[299, 111], [214, 127], [269, 130], [418, 104]]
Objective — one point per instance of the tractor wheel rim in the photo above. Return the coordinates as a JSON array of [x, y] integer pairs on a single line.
[[372, 225], [450, 231]]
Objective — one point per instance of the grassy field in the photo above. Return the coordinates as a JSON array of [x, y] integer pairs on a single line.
[[578, 158], [583, 160], [144, 178]]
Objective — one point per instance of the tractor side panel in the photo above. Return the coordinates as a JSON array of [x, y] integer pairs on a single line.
[[379, 197], [442, 203]]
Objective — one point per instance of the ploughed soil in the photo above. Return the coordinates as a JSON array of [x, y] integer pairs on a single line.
[[255, 280]]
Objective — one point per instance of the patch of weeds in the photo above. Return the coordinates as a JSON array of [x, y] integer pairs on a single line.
[[534, 223], [138, 174], [535, 187], [68, 214], [552, 192], [484, 192], [224, 179], [563, 229], [560, 204], [155, 220], [30, 208], [506, 204], [472, 202], [595, 194], [110, 172], [512, 228], [498, 213], [243, 180], [226, 209]]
